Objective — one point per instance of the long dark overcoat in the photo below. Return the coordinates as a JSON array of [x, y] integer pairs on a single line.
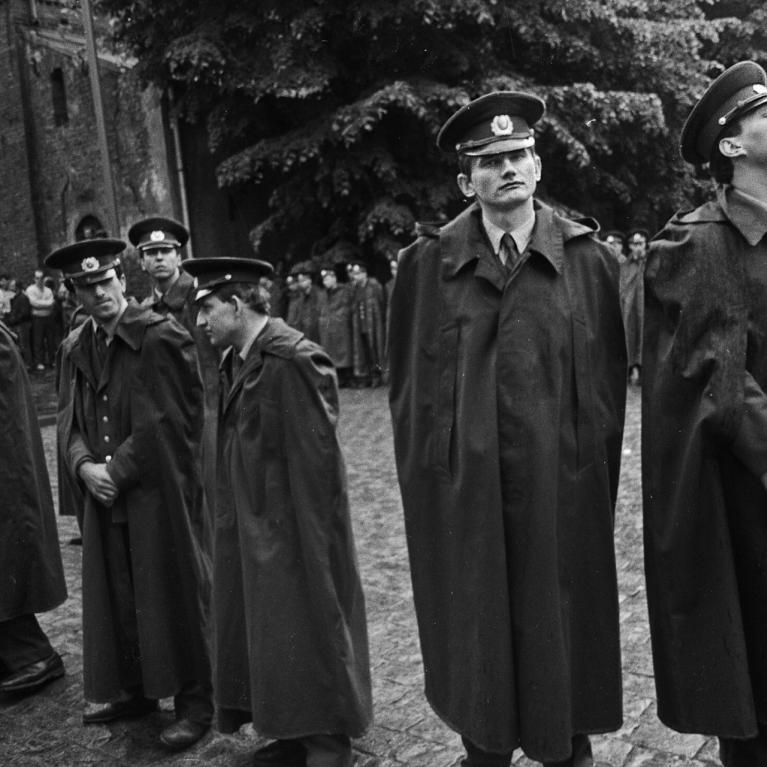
[[32, 578], [336, 325], [368, 320], [704, 434], [290, 632], [507, 398], [150, 392], [632, 306]]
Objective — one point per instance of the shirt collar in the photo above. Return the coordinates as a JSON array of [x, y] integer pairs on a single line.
[[110, 327], [255, 333], [521, 235], [747, 214]]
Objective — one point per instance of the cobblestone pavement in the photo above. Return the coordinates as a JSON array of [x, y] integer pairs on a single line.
[[46, 729]]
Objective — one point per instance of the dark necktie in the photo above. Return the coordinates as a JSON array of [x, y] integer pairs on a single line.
[[508, 253], [101, 345]]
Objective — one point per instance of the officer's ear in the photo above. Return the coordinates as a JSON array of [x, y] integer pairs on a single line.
[[730, 146], [538, 166], [465, 185]]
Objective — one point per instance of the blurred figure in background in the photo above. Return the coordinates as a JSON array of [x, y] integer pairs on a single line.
[[336, 323]]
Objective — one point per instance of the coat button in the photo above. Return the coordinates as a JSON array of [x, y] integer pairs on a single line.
[[106, 438], [105, 418]]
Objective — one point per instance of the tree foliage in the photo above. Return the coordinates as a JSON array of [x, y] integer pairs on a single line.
[[328, 110]]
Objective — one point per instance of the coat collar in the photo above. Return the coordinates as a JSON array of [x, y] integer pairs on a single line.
[[131, 329], [463, 241], [176, 296], [747, 214], [277, 338]]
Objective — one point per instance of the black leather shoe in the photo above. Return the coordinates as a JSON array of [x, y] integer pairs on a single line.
[[280, 753], [182, 734], [100, 713], [34, 676]]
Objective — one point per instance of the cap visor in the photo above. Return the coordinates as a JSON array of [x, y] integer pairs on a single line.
[[88, 278], [498, 147]]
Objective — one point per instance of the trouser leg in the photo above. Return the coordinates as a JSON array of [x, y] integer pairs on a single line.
[[195, 702], [476, 757], [22, 642], [751, 752], [327, 750], [37, 341], [581, 754]]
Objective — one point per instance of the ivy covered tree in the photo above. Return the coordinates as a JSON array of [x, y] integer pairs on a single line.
[[329, 109]]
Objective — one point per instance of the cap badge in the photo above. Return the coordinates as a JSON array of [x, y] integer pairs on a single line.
[[196, 283], [90, 264], [157, 235], [227, 276], [502, 126]]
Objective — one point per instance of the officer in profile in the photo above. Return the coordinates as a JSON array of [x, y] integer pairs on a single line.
[[291, 651], [507, 387], [704, 431]]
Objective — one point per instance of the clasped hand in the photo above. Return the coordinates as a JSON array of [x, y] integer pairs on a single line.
[[98, 482]]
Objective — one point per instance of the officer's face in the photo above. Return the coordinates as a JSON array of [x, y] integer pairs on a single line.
[[503, 181], [217, 318], [103, 300], [161, 263], [304, 282]]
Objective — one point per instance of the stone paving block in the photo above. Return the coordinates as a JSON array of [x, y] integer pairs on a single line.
[[406, 732], [651, 733]]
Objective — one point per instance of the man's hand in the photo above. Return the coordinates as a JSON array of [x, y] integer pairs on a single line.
[[98, 482]]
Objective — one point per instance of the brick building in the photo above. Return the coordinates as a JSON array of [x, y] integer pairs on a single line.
[[50, 161]]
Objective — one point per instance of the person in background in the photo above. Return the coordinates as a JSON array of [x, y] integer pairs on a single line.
[[6, 294], [159, 242], [43, 304], [507, 389], [130, 422], [704, 431], [368, 313], [336, 323], [32, 573], [616, 241], [20, 320], [632, 300], [289, 612], [306, 303]]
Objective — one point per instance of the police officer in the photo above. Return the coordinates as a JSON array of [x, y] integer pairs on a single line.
[[159, 241], [704, 431], [507, 368], [129, 430], [289, 614]]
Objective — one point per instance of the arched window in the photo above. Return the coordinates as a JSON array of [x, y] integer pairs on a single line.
[[59, 97], [88, 228]]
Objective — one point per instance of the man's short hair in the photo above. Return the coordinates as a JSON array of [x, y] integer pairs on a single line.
[[253, 295]]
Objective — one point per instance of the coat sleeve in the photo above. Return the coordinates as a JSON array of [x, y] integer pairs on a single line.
[[167, 414]]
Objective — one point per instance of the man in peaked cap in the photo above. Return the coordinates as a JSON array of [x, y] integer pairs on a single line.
[[704, 431], [306, 304], [159, 242], [507, 365], [632, 300], [368, 325], [129, 430], [290, 635]]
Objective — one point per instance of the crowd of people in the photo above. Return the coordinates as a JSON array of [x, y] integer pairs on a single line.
[[198, 450]]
